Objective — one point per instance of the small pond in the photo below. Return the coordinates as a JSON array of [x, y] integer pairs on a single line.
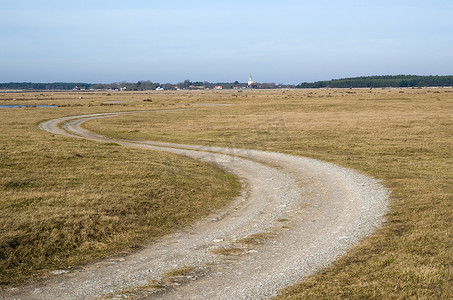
[[26, 106]]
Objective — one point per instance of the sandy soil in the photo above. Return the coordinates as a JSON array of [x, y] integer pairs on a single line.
[[305, 212]]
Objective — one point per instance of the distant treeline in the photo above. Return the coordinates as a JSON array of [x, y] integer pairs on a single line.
[[381, 81], [42, 86]]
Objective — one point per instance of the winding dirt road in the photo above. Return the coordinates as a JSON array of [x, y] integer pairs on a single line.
[[295, 216]]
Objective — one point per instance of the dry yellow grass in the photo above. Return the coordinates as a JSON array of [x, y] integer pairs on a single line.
[[404, 137], [229, 251], [244, 245], [172, 278], [65, 202]]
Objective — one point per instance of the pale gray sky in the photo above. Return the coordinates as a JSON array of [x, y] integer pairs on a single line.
[[170, 41]]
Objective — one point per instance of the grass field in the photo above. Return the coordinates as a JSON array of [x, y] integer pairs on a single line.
[[65, 202], [402, 136]]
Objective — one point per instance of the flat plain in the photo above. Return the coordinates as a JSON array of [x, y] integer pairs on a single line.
[[403, 137]]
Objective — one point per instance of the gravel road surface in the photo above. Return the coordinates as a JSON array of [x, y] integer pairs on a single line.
[[296, 215]]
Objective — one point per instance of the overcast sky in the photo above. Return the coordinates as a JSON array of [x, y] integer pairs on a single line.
[[170, 41]]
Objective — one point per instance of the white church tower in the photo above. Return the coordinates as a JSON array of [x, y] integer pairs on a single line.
[[250, 82]]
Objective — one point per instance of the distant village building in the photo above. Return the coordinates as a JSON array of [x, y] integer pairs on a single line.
[[218, 87]]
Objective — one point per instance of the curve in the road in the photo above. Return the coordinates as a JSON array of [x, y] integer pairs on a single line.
[[310, 212]]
